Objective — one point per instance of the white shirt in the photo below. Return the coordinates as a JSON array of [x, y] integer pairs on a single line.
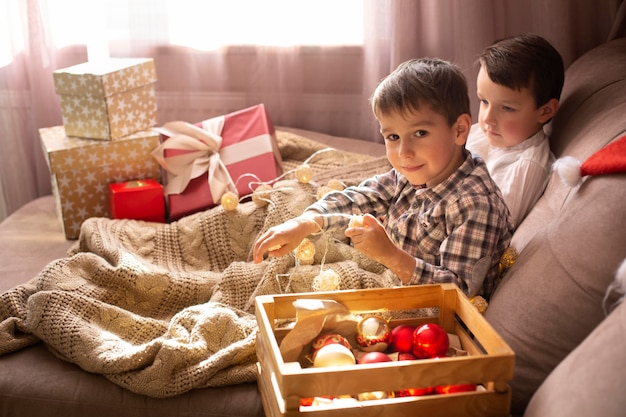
[[521, 171]]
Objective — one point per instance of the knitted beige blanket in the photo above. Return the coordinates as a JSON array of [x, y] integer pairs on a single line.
[[164, 308]]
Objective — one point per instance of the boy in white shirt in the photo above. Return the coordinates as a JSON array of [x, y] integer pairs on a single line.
[[519, 86]]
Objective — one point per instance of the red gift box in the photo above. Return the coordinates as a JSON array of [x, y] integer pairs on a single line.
[[140, 200], [234, 151]]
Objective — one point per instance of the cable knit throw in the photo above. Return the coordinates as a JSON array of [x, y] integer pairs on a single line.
[[164, 308]]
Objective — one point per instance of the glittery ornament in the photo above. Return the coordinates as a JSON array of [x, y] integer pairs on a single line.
[[304, 173], [327, 280], [229, 201], [373, 334], [480, 303], [507, 259], [261, 195], [305, 252]]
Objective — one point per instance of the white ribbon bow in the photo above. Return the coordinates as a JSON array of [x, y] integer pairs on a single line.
[[200, 155]]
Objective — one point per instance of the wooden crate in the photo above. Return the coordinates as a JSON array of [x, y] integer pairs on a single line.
[[489, 363]]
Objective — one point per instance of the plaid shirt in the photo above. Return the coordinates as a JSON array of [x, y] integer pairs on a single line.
[[456, 230]]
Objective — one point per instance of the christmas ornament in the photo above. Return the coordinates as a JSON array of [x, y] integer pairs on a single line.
[[507, 260], [449, 389], [261, 195], [415, 392], [229, 201], [480, 303], [327, 339], [430, 341], [326, 280], [374, 395], [333, 354], [609, 160], [373, 334], [406, 356], [402, 338], [373, 357], [304, 173], [305, 252]]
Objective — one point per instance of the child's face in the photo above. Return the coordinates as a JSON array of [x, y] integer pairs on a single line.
[[422, 147], [507, 116]]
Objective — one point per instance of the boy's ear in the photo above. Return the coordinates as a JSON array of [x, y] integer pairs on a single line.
[[548, 110], [462, 126]]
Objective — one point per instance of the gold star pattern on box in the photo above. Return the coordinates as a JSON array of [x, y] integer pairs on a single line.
[[82, 170], [107, 100]]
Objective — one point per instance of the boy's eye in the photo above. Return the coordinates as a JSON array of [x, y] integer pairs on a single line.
[[420, 133], [392, 137], [507, 108]]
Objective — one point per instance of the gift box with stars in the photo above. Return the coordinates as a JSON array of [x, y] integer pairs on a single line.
[[81, 171], [107, 99]]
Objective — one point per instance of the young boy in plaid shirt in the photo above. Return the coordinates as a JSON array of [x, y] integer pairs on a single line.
[[443, 217]]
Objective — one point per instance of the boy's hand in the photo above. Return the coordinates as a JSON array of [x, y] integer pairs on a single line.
[[371, 239], [283, 238]]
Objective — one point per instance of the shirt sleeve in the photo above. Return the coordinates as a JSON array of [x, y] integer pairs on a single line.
[[372, 196]]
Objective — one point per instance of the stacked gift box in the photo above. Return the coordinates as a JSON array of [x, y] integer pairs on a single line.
[[109, 160], [109, 110]]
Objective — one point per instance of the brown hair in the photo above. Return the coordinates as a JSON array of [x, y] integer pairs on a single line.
[[426, 81], [525, 61]]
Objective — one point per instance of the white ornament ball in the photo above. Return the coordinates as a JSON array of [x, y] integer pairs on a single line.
[[334, 354]]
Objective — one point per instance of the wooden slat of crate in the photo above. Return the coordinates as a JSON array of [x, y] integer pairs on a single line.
[[283, 384]]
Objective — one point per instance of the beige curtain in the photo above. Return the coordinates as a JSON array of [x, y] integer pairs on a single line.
[[318, 88]]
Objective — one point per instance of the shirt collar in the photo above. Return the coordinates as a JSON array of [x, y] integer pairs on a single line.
[[457, 177]]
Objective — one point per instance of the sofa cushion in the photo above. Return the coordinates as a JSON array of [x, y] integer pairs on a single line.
[[591, 374], [573, 240]]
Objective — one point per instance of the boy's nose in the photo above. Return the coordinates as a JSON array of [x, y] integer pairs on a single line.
[[487, 117], [405, 147]]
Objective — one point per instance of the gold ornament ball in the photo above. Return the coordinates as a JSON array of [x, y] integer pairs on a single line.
[[304, 173], [229, 201], [261, 195], [480, 303], [508, 258]]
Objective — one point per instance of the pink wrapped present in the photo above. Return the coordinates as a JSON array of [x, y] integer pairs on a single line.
[[233, 152]]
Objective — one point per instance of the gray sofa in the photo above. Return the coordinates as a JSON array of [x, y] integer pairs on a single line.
[[571, 245], [569, 356]]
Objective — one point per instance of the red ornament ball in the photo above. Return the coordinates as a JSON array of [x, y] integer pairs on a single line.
[[406, 356], [374, 357], [402, 338], [430, 340], [415, 392], [450, 389]]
